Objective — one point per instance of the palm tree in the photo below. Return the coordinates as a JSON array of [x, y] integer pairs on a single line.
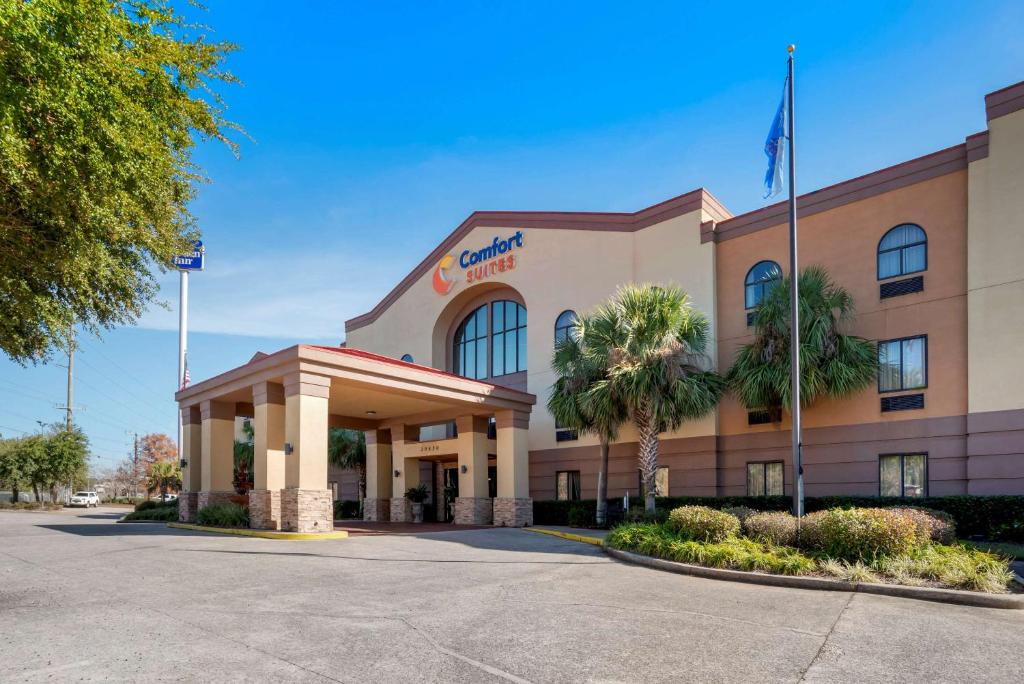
[[162, 476], [831, 364], [346, 449], [650, 343], [577, 374]]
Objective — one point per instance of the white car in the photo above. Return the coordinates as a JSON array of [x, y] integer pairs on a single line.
[[85, 499]]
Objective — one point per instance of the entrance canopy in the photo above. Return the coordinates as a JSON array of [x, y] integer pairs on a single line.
[[296, 394]]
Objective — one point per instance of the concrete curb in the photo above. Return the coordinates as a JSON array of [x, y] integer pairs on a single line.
[[955, 596], [596, 541], [262, 534], [133, 522]]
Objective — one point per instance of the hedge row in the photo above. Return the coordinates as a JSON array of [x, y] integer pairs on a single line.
[[993, 517]]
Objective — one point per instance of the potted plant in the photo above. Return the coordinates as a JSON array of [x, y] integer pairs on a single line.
[[417, 495]]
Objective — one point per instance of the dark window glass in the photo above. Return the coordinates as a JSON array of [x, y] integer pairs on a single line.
[[902, 364], [903, 475], [508, 338], [407, 358], [565, 325], [759, 280], [470, 345], [903, 250], [765, 479], [567, 485]]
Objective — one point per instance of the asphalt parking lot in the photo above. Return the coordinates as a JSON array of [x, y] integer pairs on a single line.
[[82, 598]]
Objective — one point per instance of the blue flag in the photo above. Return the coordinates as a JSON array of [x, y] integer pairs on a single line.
[[774, 148]]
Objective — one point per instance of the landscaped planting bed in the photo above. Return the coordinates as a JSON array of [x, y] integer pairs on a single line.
[[897, 546], [156, 511]]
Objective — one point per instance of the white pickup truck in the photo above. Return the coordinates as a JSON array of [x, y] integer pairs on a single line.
[[85, 499]]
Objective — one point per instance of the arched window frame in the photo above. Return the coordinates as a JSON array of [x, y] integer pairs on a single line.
[[901, 250], [472, 338], [565, 324], [407, 358], [760, 284]]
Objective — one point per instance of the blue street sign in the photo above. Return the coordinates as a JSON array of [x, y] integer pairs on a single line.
[[193, 261]]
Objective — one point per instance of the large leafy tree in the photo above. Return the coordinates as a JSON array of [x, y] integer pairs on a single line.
[[651, 343], [578, 372], [832, 364], [156, 448], [101, 104], [346, 449]]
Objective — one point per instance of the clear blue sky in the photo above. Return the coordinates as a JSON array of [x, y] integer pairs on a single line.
[[377, 127]]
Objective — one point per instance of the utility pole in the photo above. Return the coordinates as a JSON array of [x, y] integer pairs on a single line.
[[71, 374], [135, 465]]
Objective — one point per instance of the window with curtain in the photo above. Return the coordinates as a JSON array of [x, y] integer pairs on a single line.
[[903, 250], [759, 281], [565, 325], [470, 345], [567, 485], [765, 479], [508, 338], [903, 475], [903, 364]]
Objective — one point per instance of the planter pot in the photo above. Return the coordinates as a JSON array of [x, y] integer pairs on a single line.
[[417, 512]]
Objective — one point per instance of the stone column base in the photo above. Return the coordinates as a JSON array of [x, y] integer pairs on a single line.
[[188, 506], [401, 509], [265, 509], [513, 512], [204, 499], [307, 510], [377, 510], [474, 511]]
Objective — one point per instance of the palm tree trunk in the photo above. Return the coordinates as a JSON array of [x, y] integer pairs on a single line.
[[647, 426], [602, 485]]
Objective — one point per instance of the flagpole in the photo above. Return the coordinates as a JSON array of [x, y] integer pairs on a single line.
[[794, 348], [182, 345]]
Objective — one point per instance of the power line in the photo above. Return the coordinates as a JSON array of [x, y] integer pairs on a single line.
[[122, 387], [128, 373]]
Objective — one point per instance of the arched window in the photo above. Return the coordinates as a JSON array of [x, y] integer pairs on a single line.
[[407, 358], [497, 329], [508, 337], [759, 280], [903, 250], [565, 325], [470, 345]]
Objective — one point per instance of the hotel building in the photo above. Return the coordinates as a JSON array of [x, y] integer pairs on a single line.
[[449, 373]]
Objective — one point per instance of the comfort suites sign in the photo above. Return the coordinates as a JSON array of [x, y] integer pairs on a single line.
[[478, 264]]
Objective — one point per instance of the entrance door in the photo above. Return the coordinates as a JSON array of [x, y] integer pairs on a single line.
[[451, 491]]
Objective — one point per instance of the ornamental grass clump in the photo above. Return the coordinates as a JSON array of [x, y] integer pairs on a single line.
[[702, 524], [859, 534], [776, 527]]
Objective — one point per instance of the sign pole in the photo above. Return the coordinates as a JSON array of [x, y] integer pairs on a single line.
[[794, 278], [182, 342]]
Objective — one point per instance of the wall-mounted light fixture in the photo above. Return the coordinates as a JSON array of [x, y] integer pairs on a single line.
[[463, 469], [397, 473], [184, 463], [288, 449]]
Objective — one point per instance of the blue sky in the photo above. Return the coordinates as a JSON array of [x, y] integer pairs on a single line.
[[377, 127]]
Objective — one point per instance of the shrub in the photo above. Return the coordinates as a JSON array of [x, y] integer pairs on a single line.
[[934, 526], [224, 515], [31, 506], [346, 510], [741, 512], [167, 513], [774, 527], [154, 503], [1012, 531], [859, 534], [701, 523], [961, 567], [582, 515], [640, 514]]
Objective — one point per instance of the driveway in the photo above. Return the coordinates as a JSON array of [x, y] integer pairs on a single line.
[[83, 598]]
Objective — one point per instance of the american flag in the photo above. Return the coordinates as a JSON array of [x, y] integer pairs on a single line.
[[185, 378]]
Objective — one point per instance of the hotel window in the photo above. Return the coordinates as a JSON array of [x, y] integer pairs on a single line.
[[508, 338], [903, 250], [565, 434], [567, 485], [565, 325], [407, 358], [759, 281], [903, 364], [765, 479], [903, 475], [471, 345]]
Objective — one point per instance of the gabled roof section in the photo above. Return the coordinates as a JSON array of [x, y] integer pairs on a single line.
[[628, 222]]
